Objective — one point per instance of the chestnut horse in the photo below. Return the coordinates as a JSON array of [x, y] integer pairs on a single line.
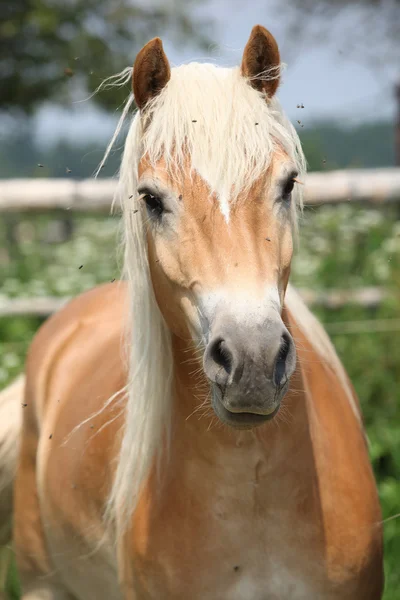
[[196, 460]]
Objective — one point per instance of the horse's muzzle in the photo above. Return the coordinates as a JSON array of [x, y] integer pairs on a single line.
[[249, 369]]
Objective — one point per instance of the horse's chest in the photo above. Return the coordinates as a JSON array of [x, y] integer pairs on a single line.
[[225, 545], [236, 561], [248, 561]]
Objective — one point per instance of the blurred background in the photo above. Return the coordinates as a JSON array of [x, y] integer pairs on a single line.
[[342, 92]]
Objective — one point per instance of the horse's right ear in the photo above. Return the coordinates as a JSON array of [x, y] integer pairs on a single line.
[[151, 72], [261, 61]]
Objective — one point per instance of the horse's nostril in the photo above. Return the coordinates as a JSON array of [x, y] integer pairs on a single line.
[[221, 355], [280, 365]]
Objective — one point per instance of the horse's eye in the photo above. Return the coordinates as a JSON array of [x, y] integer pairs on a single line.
[[288, 188], [154, 205]]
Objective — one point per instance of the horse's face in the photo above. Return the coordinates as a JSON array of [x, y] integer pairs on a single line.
[[220, 279], [224, 282]]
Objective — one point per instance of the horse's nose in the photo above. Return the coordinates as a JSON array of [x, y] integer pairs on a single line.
[[286, 349], [248, 364], [221, 362]]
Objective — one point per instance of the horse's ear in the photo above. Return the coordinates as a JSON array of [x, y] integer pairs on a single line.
[[261, 61], [151, 72]]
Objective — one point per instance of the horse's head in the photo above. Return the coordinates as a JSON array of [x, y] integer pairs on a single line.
[[216, 184]]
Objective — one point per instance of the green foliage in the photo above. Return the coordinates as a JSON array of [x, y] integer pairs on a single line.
[[12, 584], [32, 266], [328, 145], [49, 49]]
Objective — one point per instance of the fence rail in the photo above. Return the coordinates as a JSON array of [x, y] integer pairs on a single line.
[[374, 186], [333, 299]]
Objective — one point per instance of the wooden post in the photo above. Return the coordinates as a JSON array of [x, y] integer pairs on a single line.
[[397, 126]]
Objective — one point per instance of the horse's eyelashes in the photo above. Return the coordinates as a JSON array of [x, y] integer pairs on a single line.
[[288, 188], [154, 205]]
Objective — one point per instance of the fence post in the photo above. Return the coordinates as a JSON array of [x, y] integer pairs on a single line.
[[397, 126]]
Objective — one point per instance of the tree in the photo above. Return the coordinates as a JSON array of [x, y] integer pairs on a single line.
[[368, 30], [51, 48]]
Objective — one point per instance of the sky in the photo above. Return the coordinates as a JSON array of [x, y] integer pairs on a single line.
[[329, 85]]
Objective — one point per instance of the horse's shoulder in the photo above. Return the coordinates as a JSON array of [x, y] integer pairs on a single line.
[[75, 366], [77, 345]]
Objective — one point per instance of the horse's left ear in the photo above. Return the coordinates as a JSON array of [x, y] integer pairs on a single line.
[[261, 61], [151, 72]]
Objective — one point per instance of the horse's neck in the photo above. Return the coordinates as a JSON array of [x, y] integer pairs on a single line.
[[208, 441]]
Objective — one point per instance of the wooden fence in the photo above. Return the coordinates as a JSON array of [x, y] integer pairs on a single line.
[[371, 187], [369, 297], [377, 186]]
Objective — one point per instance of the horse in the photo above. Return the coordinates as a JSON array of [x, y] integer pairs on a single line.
[[189, 431]]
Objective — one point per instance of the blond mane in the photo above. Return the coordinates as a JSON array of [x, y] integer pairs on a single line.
[[212, 117]]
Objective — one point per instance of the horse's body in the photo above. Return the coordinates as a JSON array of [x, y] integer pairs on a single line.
[[290, 512], [238, 508]]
